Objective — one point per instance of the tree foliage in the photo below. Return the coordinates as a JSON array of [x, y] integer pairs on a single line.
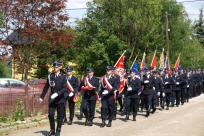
[[34, 29], [3, 71], [133, 25], [199, 28]]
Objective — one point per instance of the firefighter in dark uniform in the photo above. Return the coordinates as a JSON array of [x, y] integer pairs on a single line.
[[57, 82], [117, 78], [167, 83], [183, 86], [176, 89], [89, 85], [149, 86], [160, 90], [133, 85], [189, 81], [141, 97], [72, 86], [107, 94]]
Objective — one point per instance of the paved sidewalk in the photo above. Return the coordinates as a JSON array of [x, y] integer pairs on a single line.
[[186, 120]]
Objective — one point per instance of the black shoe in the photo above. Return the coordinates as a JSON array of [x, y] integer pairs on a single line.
[[51, 133], [114, 117], [80, 116], [147, 114], [182, 103], [120, 110], [141, 110], [103, 123], [177, 105], [127, 117], [162, 107], [70, 122], [109, 123], [86, 122], [134, 118], [122, 113], [167, 108], [153, 111], [64, 121], [172, 105], [58, 132], [90, 123]]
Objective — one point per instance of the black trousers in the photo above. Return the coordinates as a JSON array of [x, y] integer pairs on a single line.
[[194, 91], [141, 99], [168, 98], [188, 93], [115, 106], [135, 103], [149, 100], [120, 100], [107, 106], [60, 112], [183, 95], [71, 108], [88, 108], [176, 96]]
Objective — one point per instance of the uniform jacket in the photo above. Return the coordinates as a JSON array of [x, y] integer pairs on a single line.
[[60, 88], [168, 86], [74, 83], [114, 83], [135, 84], [91, 94], [151, 86], [160, 84], [176, 78]]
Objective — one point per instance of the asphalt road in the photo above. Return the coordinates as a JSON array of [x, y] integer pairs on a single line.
[[186, 120]]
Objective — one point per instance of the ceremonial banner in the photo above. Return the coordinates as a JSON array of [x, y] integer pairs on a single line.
[[161, 61], [177, 64], [143, 65], [167, 66], [154, 61]]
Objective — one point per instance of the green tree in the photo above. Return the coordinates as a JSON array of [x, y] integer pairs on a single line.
[[133, 25], [199, 28], [3, 71]]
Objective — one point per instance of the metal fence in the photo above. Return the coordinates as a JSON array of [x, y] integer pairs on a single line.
[[29, 94]]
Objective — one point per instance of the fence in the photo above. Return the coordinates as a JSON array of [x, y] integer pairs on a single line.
[[29, 94]]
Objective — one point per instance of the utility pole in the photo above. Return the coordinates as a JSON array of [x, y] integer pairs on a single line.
[[167, 34]]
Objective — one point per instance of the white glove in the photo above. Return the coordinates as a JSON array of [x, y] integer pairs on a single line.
[[54, 96], [163, 94], [115, 91], [105, 92], [158, 93], [177, 83], [99, 99], [187, 86], [129, 88], [153, 88], [71, 94], [166, 83], [41, 100], [123, 96], [146, 81]]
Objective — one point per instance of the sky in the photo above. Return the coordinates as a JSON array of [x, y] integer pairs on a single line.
[[192, 7]]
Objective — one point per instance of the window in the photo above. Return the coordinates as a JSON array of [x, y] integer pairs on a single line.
[[14, 83], [4, 84]]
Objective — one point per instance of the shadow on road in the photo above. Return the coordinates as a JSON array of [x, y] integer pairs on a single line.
[[79, 123], [42, 132]]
